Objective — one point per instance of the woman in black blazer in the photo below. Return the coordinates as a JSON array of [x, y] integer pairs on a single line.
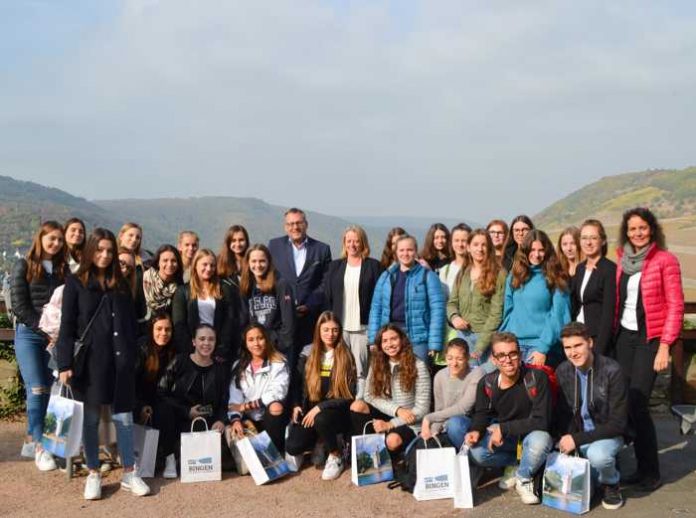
[[206, 300], [593, 288], [104, 374], [348, 286]]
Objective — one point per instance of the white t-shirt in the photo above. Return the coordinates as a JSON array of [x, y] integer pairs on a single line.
[[351, 298], [448, 274], [47, 266], [585, 280], [206, 311], [629, 317]]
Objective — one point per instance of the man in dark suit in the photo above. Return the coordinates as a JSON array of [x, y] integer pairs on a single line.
[[302, 262]]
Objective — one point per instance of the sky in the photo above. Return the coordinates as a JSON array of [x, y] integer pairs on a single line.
[[453, 109]]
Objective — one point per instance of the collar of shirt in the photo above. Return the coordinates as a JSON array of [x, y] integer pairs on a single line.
[[302, 246]]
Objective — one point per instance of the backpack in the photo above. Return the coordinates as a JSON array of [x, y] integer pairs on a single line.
[[406, 470], [530, 383]]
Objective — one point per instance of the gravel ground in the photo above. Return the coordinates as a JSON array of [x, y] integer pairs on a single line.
[[26, 492]]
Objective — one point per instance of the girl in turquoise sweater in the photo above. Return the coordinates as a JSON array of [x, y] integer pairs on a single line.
[[537, 302]]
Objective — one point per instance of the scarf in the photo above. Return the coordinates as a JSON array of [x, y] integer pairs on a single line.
[[158, 295], [632, 262]]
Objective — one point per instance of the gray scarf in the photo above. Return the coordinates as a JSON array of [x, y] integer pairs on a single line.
[[632, 262]]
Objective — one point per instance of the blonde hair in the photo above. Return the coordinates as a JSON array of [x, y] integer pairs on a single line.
[[125, 228], [362, 237], [196, 284]]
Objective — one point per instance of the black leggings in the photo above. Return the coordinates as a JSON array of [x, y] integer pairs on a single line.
[[359, 421], [170, 425], [327, 425], [637, 358]]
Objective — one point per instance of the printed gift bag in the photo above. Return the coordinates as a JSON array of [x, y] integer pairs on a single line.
[[370, 460], [434, 472], [63, 424], [566, 484], [463, 494], [145, 441], [249, 431], [200, 455], [262, 458]]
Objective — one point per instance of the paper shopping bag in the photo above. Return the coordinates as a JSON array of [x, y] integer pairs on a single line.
[[463, 494], [370, 460], [262, 458], [434, 472], [145, 441], [249, 431], [566, 484], [63, 424], [200, 455]]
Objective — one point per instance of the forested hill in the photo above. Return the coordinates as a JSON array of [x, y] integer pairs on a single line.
[[670, 193]]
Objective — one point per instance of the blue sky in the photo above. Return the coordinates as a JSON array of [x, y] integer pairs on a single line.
[[447, 108]]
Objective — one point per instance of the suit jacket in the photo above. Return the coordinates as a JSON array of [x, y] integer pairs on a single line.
[[370, 270], [306, 287], [598, 302]]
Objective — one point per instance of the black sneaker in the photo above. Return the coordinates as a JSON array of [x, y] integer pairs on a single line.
[[649, 484], [611, 496]]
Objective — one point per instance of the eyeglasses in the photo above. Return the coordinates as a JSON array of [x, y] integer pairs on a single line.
[[512, 356]]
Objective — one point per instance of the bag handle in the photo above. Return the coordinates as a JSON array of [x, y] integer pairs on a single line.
[[67, 389], [365, 427], [434, 437], [197, 419]]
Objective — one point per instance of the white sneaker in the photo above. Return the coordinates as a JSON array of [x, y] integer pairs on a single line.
[[509, 478], [28, 450], [133, 483], [525, 488], [333, 468], [44, 460], [93, 486], [170, 467]]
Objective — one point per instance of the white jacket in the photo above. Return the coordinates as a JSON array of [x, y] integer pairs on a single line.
[[268, 384]]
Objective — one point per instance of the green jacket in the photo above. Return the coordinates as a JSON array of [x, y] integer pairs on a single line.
[[483, 314]]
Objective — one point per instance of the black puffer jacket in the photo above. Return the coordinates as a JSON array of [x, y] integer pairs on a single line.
[[28, 299], [175, 387], [607, 401]]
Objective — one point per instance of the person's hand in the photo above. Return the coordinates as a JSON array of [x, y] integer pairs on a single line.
[[406, 415], [381, 426], [459, 323], [145, 414], [239, 408], [496, 438], [218, 426], [425, 430], [196, 411], [566, 444], [423, 263], [308, 420], [373, 348], [537, 358], [237, 428], [472, 438], [301, 310], [65, 377], [661, 358], [296, 413]]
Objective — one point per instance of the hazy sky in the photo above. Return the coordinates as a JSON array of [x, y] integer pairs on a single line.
[[433, 108]]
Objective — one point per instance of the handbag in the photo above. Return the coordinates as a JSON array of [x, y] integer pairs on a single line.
[[370, 462], [434, 472], [79, 348], [566, 483], [63, 424]]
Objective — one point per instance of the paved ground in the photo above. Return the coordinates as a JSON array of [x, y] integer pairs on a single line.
[[26, 492]]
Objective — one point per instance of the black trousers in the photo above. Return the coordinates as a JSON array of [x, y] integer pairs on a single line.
[[170, 425], [637, 356], [359, 422], [327, 425], [274, 426]]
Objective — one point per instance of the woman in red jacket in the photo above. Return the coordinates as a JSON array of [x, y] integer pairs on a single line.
[[649, 316]]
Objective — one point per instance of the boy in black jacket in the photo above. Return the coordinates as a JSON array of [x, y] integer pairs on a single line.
[[591, 411], [513, 408]]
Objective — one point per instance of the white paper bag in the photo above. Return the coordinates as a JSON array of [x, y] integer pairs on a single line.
[[200, 455], [370, 460], [63, 424], [262, 458], [567, 483], [434, 473], [463, 497], [145, 441]]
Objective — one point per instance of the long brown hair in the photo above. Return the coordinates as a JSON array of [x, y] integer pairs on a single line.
[[227, 262], [562, 259], [196, 283], [343, 373], [381, 370], [113, 278], [271, 354], [388, 256], [152, 352], [130, 278], [490, 268], [268, 282], [76, 251], [556, 278], [35, 269], [429, 253]]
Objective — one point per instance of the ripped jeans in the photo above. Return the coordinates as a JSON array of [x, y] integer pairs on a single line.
[[90, 436], [32, 358]]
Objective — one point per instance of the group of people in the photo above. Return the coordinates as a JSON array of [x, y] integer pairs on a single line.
[[490, 336]]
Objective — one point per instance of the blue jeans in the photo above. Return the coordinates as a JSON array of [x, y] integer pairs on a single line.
[[471, 339], [32, 358], [602, 457], [124, 436], [535, 447], [456, 427]]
